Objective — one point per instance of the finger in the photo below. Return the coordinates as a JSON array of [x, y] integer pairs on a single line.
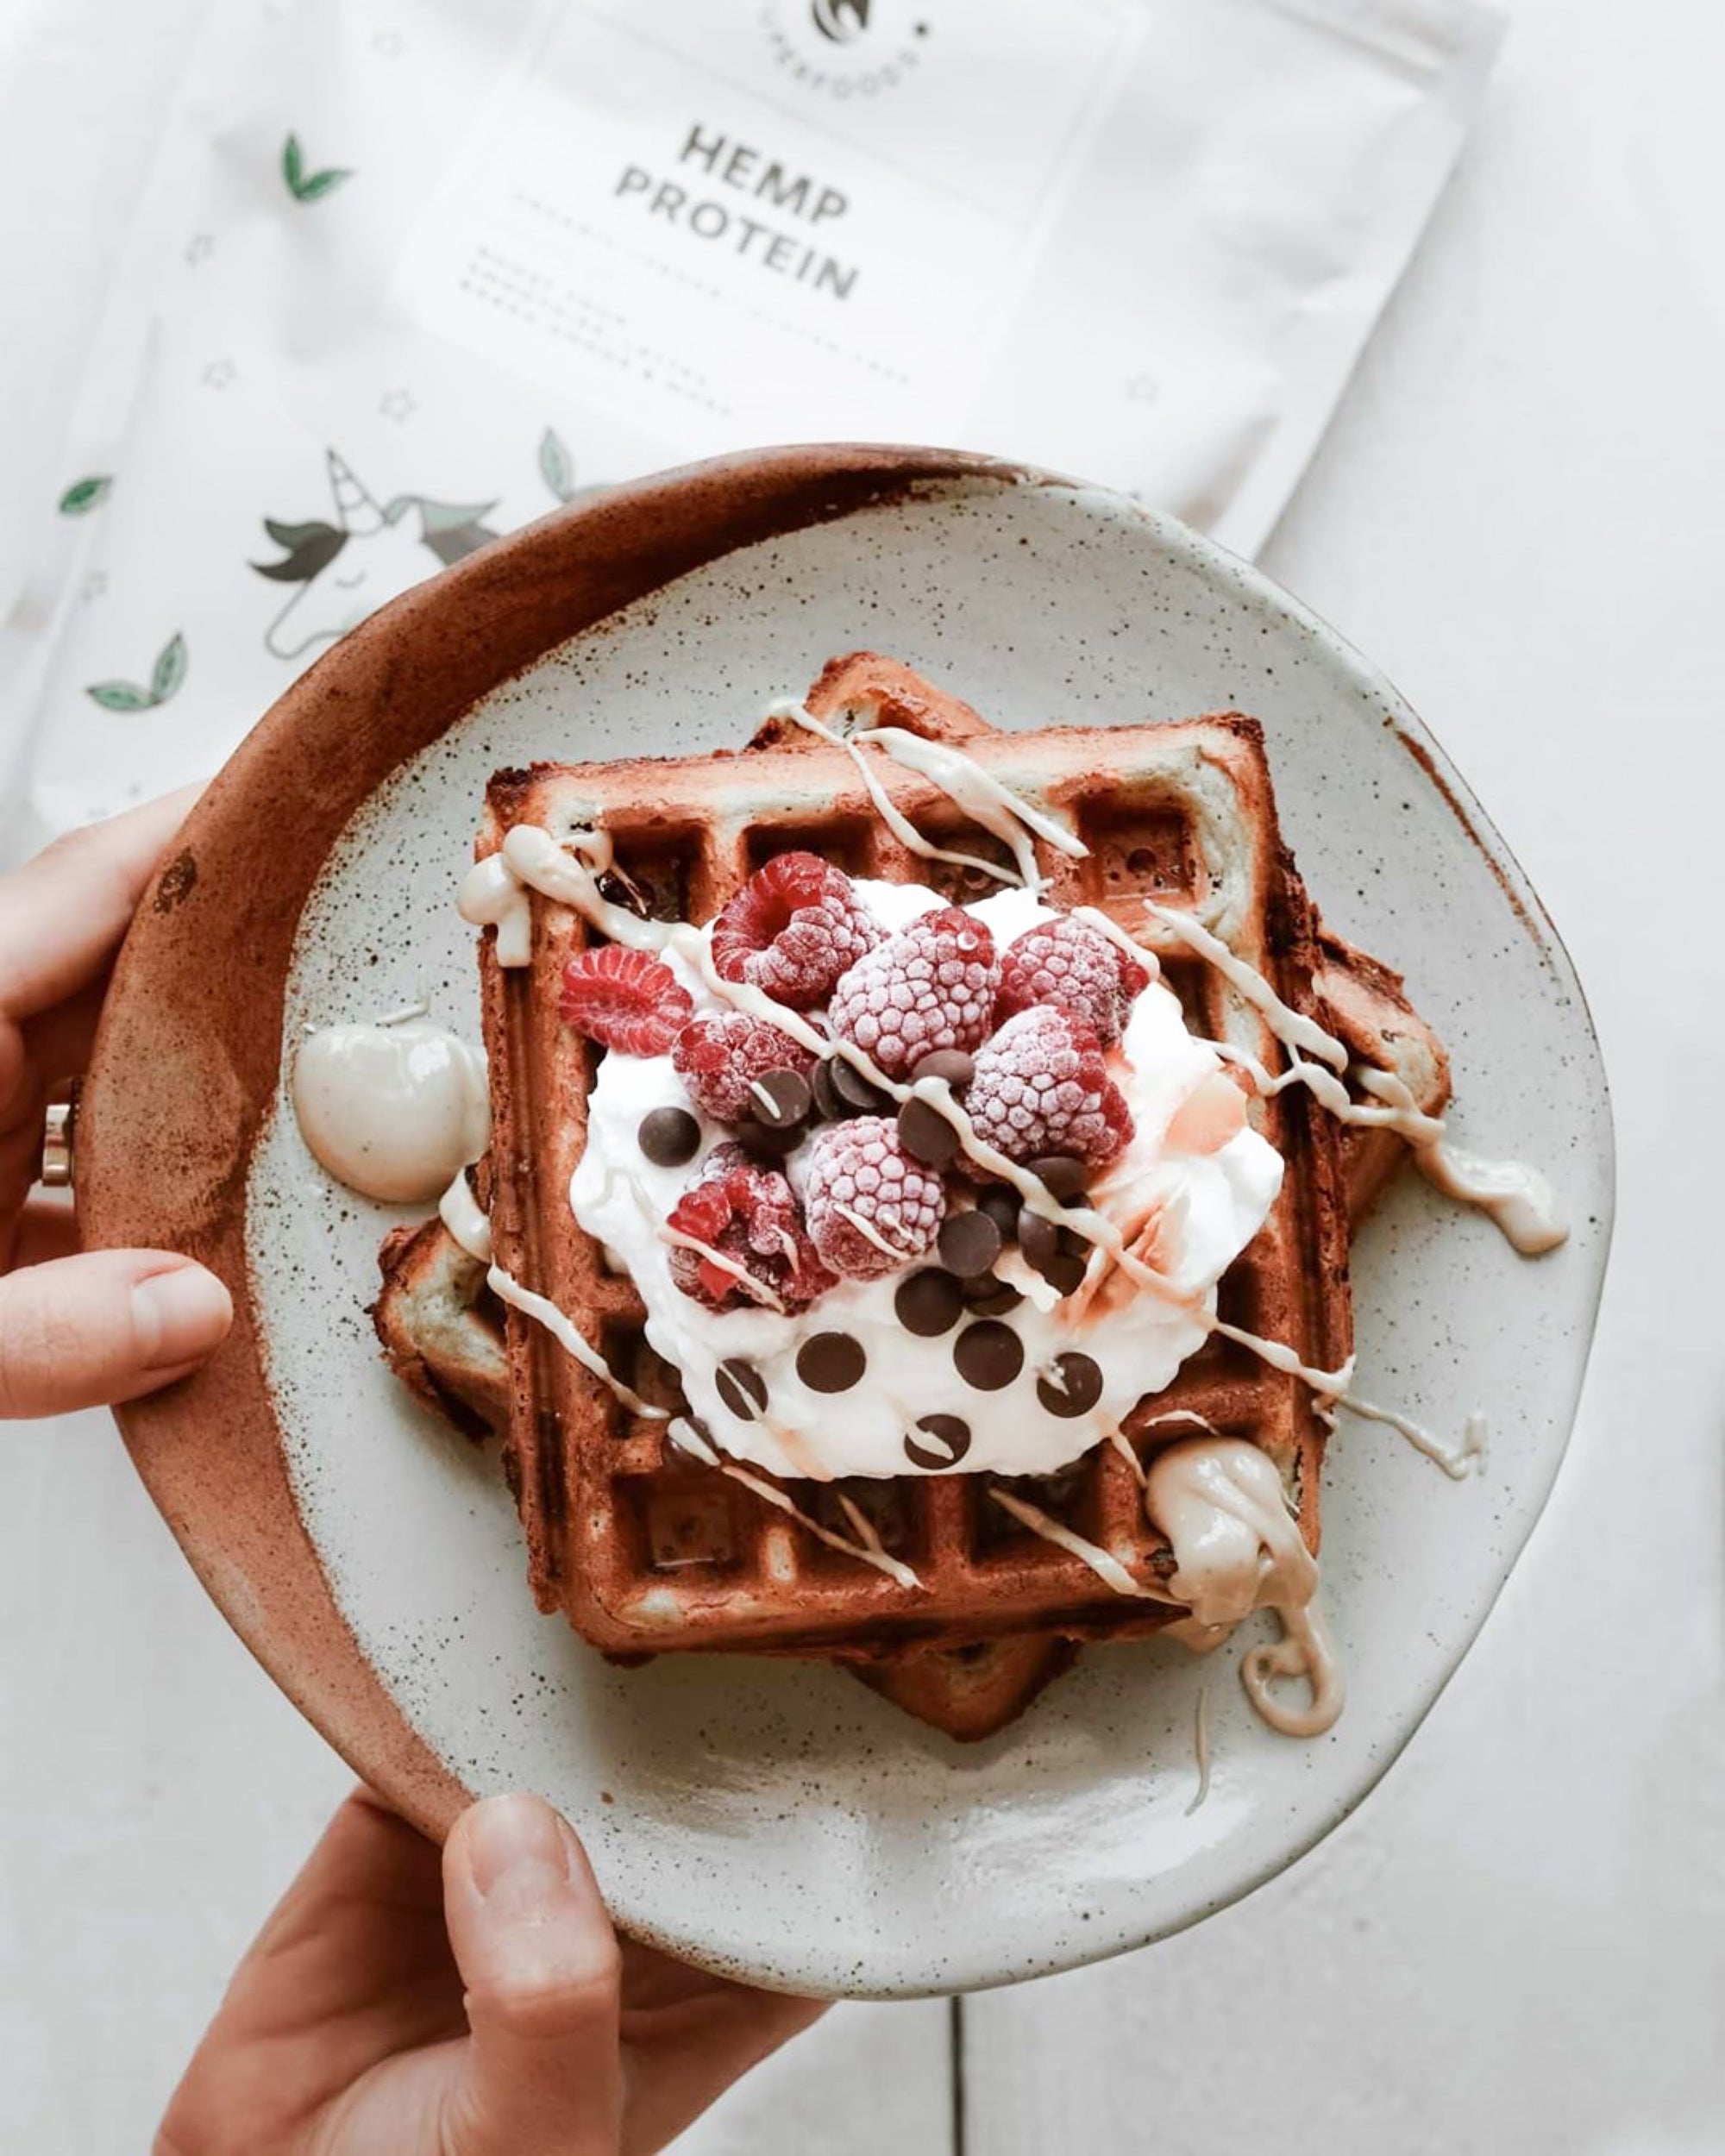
[[63, 914], [543, 2075], [84, 1331]]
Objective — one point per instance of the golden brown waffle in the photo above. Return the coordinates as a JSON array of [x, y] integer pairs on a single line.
[[442, 1331], [645, 1550]]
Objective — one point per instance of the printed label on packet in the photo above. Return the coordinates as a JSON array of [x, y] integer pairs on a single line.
[[727, 221]]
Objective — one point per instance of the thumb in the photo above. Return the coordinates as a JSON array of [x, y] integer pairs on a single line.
[[542, 2074], [86, 1332]]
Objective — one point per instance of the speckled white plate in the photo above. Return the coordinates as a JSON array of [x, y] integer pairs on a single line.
[[775, 1820]]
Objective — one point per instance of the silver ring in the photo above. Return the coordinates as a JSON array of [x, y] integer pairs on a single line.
[[58, 1130]]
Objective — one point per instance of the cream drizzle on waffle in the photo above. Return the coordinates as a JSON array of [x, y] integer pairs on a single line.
[[1234, 1549]]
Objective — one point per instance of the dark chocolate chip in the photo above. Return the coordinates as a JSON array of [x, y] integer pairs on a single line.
[[950, 1441], [826, 1100], [926, 1134], [1071, 1385], [989, 1355], [968, 1245], [761, 1137], [1064, 1174], [859, 1095], [949, 1064], [832, 1362], [1059, 1254], [1038, 1239], [780, 1100], [742, 1388], [992, 1298], [669, 1136], [929, 1303], [1001, 1206]]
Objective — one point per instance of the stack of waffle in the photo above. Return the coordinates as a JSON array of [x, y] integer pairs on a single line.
[[644, 1549]]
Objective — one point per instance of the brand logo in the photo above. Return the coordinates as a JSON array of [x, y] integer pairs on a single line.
[[842, 21], [848, 51]]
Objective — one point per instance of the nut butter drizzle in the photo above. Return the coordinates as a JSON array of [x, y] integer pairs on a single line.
[[1102, 1562], [1220, 1502], [1517, 1198], [869, 1551], [567, 1335]]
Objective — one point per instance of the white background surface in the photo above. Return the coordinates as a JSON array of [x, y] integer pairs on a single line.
[[1515, 1947]]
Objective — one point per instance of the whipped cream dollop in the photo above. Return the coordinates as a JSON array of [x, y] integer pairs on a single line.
[[1211, 1205]]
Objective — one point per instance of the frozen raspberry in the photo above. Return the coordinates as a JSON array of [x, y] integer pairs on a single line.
[[931, 986], [1041, 1087], [627, 998], [1063, 963], [719, 1058], [751, 1215], [858, 1172], [792, 929]]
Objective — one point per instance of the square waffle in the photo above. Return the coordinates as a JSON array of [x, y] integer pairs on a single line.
[[441, 1332], [645, 1550]]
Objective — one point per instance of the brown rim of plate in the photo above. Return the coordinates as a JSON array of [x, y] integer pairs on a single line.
[[189, 1054]]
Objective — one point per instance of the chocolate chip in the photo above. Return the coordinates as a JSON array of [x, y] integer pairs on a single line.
[[949, 1064], [926, 1134], [780, 1100], [1058, 1254], [1001, 1206], [968, 1244], [992, 1298], [832, 1362], [826, 1100], [1064, 1174], [989, 1355], [742, 1388], [929, 1303], [761, 1137], [669, 1136], [950, 1441], [1038, 1239], [1071, 1385], [860, 1096]]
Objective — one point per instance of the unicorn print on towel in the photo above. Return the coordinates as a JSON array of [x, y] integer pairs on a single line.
[[370, 554]]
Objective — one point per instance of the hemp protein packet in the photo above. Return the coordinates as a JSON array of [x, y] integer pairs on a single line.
[[406, 274]]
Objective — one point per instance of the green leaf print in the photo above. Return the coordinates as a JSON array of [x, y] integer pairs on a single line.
[[557, 467], [81, 498], [119, 696], [305, 186], [169, 670], [167, 677]]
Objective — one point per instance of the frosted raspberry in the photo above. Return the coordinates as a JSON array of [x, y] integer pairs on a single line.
[[1041, 1087], [719, 1058], [859, 1169], [792, 929], [626, 999], [751, 1215], [931, 986], [1063, 963]]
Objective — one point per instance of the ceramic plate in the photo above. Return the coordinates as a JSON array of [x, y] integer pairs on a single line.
[[776, 1820]]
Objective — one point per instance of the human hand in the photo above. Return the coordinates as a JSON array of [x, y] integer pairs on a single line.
[[80, 1332], [386, 2010]]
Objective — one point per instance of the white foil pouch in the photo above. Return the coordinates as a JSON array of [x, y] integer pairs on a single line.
[[408, 273]]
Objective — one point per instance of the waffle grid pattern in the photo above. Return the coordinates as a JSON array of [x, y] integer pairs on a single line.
[[646, 1549]]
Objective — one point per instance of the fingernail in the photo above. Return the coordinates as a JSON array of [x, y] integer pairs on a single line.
[[178, 1314], [517, 1849]]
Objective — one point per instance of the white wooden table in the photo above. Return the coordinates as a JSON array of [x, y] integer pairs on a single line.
[[1514, 1947]]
